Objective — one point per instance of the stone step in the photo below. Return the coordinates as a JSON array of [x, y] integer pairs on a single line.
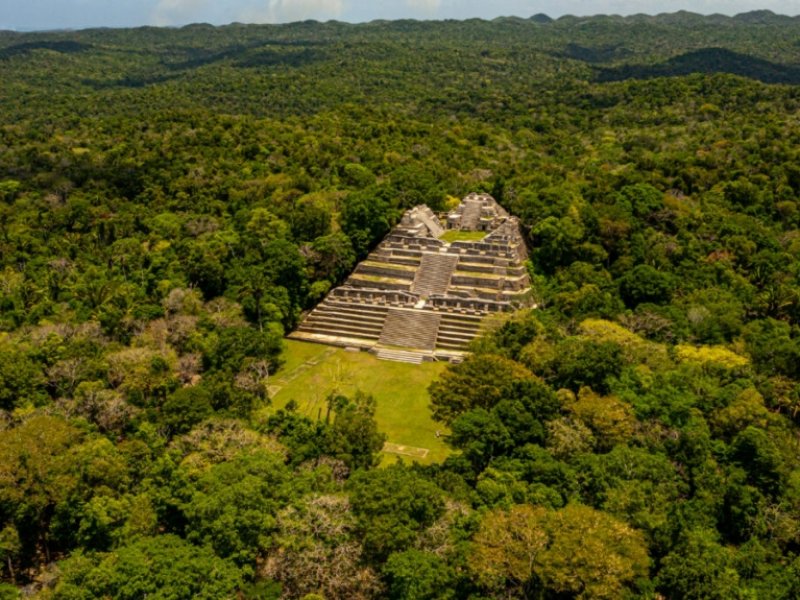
[[461, 317], [386, 269], [414, 358], [431, 222], [471, 214], [404, 256], [451, 331], [353, 307], [457, 330], [322, 321], [350, 305], [493, 294], [336, 313], [394, 258], [457, 334], [468, 329], [457, 318], [337, 319], [483, 254], [447, 345], [441, 341], [343, 325], [339, 332], [433, 275], [484, 280], [357, 280], [410, 329], [332, 339], [490, 269]]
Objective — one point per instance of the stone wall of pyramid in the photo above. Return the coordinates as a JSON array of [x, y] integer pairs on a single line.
[[418, 296]]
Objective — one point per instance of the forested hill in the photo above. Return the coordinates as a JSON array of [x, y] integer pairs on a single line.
[[306, 67], [171, 200]]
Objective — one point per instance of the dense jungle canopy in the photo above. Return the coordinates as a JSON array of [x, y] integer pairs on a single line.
[[171, 200]]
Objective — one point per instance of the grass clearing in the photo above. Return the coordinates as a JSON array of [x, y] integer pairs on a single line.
[[297, 354], [400, 391], [456, 235]]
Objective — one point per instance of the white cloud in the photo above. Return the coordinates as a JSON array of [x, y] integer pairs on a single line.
[[177, 12], [284, 11]]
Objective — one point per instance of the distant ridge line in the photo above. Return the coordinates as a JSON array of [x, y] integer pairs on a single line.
[[756, 16]]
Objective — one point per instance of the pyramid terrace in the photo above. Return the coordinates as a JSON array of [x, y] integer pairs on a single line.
[[424, 292]]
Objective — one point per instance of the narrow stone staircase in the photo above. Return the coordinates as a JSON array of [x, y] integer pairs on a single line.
[[471, 215], [434, 273], [433, 225], [410, 329]]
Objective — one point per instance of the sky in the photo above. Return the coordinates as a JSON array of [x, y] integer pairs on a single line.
[[74, 14]]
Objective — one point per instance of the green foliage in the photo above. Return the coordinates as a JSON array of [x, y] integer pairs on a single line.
[[758, 455], [333, 257], [700, 568], [575, 550], [9, 592], [645, 284], [353, 436], [364, 219], [392, 506], [163, 567], [419, 576], [641, 199], [235, 345], [478, 382], [162, 226], [186, 407], [21, 379], [586, 363], [231, 507]]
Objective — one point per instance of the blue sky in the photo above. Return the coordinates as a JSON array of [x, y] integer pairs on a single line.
[[49, 14]]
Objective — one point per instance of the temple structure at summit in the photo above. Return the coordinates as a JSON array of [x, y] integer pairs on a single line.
[[424, 292]]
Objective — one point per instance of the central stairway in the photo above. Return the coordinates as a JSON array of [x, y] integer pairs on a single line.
[[410, 329], [434, 273], [471, 215]]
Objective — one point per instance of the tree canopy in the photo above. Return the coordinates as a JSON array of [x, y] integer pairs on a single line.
[[173, 200]]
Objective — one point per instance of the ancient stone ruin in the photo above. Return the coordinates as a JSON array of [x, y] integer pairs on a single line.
[[424, 292]]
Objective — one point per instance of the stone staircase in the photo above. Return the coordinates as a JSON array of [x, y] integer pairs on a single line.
[[414, 358], [432, 223], [471, 215], [457, 330], [410, 329], [433, 275], [344, 320]]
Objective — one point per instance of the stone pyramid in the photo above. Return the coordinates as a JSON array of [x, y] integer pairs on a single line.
[[424, 292]]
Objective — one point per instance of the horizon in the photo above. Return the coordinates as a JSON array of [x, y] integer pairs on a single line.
[[74, 15]]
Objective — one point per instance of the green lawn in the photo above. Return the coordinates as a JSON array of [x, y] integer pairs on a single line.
[[455, 235], [400, 390]]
